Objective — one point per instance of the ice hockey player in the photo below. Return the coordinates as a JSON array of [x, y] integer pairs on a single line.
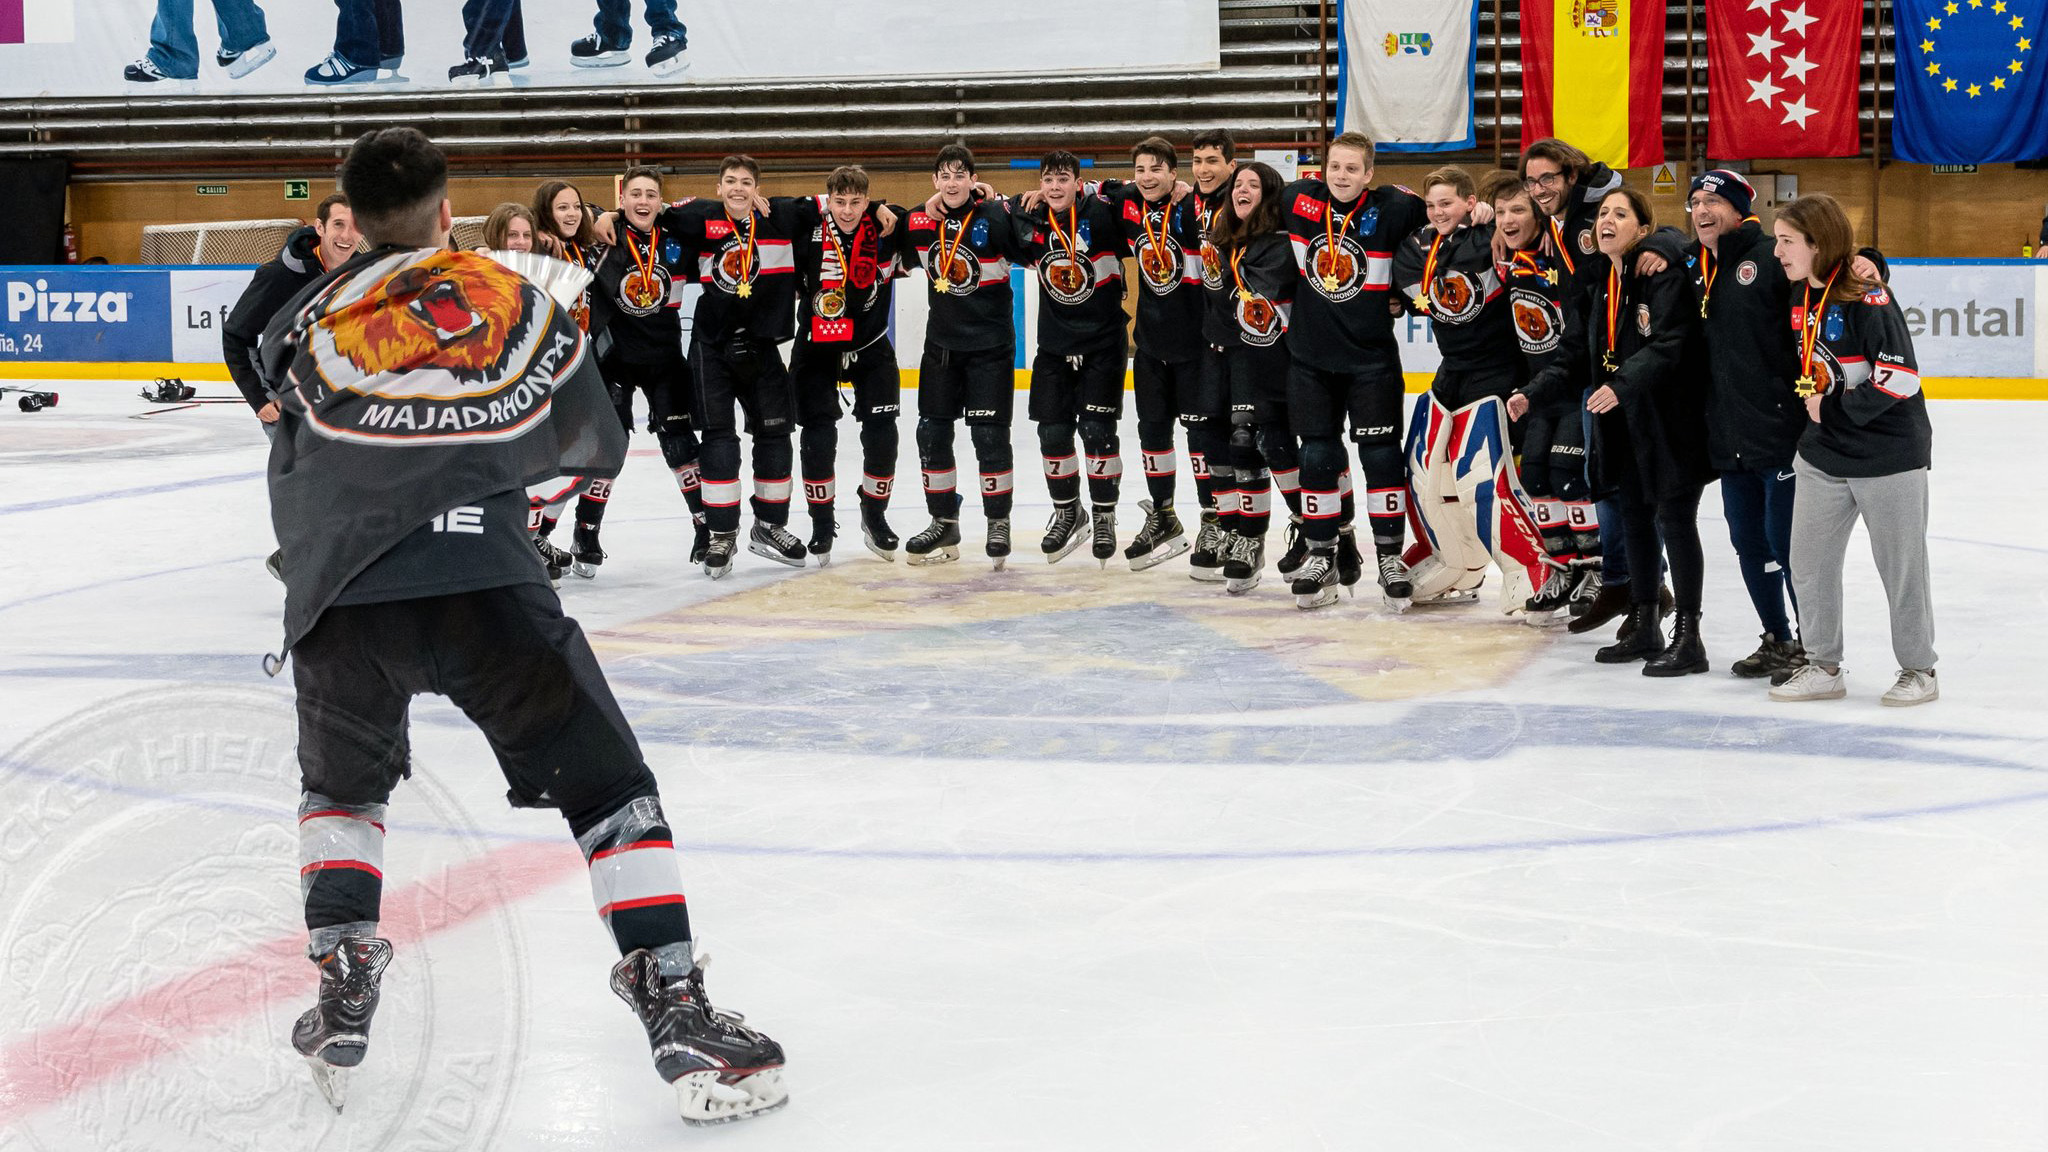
[[412, 572]]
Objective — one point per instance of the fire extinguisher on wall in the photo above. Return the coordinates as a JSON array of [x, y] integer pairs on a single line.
[[70, 244]]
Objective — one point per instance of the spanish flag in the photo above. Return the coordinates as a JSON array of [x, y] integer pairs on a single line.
[[1593, 76]]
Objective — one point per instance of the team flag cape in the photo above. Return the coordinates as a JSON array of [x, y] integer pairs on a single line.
[[1404, 72], [1971, 85], [1781, 78], [1593, 75]]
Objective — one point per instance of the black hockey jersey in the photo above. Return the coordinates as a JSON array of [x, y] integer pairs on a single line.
[[747, 266], [966, 252], [636, 300], [1165, 241], [1468, 309], [1260, 283], [1873, 416], [1218, 329], [1346, 256], [1078, 256], [846, 280], [1535, 283], [1753, 418], [1571, 238]]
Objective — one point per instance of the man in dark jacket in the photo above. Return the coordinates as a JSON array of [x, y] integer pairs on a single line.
[[307, 255], [1754, 420], [422, 390]]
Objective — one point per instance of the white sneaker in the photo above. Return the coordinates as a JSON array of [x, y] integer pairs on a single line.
[[1914, 687], [1812, 682]]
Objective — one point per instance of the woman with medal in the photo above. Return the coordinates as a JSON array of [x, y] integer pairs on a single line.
[[636, 327], [1864, 454], [1633, 353], [1259, 282]]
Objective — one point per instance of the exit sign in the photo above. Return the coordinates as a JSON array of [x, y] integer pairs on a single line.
[[298, 190], [212, 189], [1955, 169]]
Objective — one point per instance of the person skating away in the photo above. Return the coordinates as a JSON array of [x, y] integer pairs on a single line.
[[562, 230], [1633, 353], [1568, 188], [174, 48], [746, 265], [1864, 454], [609, 44], [1259, 285], [369, 40], [1754, 421], [636, 319], [1552, 459], [1213, 163], [1073, 240], [964, 240], [493, 41], [309, 253], [1164, 235], [411, 573], [1465, 498], [1346, 361], [847, 263]]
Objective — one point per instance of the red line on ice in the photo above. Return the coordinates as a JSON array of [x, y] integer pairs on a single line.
[[46, 1066]]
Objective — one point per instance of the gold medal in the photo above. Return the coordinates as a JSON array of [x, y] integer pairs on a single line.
[[1422, 305], [745, 290], [1550, 274], [1806, 387], [1703, 308], [1245, 294], [1607, 363], [831, 303], [939, 284], [1329, 283]]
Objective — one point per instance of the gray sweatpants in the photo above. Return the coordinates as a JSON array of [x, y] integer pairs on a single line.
[[1894, 511]]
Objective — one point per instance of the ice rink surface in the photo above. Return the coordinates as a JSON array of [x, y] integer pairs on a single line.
[[1052, 858]]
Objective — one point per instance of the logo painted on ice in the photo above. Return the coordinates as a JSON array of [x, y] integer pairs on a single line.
[[1408, 43]]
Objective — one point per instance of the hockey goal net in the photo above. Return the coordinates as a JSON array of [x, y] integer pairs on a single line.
[[227, 242]]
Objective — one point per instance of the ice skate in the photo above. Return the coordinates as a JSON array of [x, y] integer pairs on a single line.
[[1350, 565], [719, 551], [557, 560], [774, 542], [939, 543], [1160, 539], [1394, 585], [1586, 590], [334, 1034], [874, 528], [1104, 536], [1244, 565], [586, 556], [823, 531], [1548, 606], [1211, 542], [1063, 532], [722, 1070], [1295, 553], [1315, 584], [700, 540], [998, 546]]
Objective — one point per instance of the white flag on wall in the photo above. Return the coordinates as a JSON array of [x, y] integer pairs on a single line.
[[1405, 72]]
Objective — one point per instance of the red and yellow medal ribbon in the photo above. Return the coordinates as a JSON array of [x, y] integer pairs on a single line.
[[1429, 274], [1237, 274], [1707, 274], [744, 289], [1809, 334], [942, 269], [646, 274], [1333, 228], [1608, 363], [1563, 250], [1070, 238]]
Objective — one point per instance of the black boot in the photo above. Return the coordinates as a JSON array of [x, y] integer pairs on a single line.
[[1645, 637], [1685, 654]]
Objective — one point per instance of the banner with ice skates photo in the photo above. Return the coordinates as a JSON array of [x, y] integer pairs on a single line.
[[134, 48]]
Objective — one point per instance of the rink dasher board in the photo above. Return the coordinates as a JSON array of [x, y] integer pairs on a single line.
[[1972, 320]]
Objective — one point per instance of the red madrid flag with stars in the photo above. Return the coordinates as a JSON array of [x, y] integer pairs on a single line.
[[1781, 78]]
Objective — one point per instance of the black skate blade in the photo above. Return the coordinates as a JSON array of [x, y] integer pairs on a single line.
[[702, 1100], [332, 1081]]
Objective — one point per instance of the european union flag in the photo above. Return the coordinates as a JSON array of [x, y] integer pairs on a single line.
[[1972, 83]]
